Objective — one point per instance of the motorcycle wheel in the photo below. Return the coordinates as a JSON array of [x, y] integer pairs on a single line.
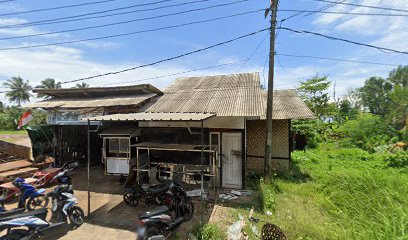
[[130, 199], [37, 202], [150, 232], [76, 216], [188, 211], [16, 234]]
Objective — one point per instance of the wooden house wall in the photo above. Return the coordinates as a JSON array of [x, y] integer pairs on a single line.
[[256, 135]]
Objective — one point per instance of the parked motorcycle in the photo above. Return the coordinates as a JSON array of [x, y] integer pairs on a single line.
[[4, 212], [155, 194], [36, 198], [164, 219], [28, 225], [64, 203]]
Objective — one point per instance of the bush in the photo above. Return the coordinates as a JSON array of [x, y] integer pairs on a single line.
[[268, 195], [397, 160], [367, 131], [209, 232]]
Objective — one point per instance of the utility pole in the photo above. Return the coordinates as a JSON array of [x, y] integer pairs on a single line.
[[268, 151]]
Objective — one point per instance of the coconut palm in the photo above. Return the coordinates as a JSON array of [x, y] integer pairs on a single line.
[[19, 90], [82, 85], [48, 83]]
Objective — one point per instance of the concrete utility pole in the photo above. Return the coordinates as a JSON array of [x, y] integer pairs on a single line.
[[268, 151]]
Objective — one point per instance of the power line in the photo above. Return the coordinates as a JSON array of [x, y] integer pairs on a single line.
[[367, 6], [75, 18], [167, 59], [253, 52], [179, 73], [56, 8], [6, 1], [326, 7], [318, 10], [346, 13], [130, 33], [336, 59], [124, 22], [345, 40]]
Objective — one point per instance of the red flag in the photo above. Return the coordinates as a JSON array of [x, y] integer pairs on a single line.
[[25, 119]]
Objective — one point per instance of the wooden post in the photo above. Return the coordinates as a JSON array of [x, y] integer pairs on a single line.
[[88, 168], [268, 150]]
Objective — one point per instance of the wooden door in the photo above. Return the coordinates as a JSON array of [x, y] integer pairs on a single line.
[[232, 160]]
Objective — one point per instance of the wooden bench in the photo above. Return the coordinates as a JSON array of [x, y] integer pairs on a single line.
[[4, 167]]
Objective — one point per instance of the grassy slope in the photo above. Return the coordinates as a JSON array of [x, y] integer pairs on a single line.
[[342, 194], [19, 132]]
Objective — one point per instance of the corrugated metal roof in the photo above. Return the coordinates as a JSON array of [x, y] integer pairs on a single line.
[[99, 91], [287, 105], [225, 95], [92, 102], [127, 130], [149, 116]]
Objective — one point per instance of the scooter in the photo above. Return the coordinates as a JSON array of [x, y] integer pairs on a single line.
[[150, 195], [28, 225], [64, 203], [4, 212], [161, 221], [36, 197]]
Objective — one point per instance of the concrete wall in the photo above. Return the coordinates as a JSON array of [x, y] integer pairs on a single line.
[[256, 134]]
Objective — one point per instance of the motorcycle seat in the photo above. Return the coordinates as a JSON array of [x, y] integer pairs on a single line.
[[156, 211], [156, 188], [41, 213]]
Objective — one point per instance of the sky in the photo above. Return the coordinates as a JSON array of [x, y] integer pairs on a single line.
[[82, 59]]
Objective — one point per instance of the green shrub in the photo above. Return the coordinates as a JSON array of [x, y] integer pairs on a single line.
[[397, 160], [209, 232], [367, 132], [268, 195]]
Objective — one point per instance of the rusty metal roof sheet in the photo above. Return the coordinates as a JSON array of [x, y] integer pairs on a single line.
[[287, 105], [150, 116], [92, 102], [225, 95], [99, 91]]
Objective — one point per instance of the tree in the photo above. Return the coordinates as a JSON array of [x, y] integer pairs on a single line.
[[314, 92], [19, 90], [82, 85], [399, 106], [375, 95], [48, 83], [354, 97], [399, 76], [347, 111], [1, 106]]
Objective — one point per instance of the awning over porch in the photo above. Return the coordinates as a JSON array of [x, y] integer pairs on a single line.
[[153, 116]]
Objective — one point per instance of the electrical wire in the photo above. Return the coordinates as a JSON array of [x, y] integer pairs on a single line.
[[253, 52], [167, 59], [366, 6], [6, 1], [336, 59], [344, 40], [75, 18], [124, 22], [318, 10], [326, 7], [56, 8], [180, 73], [346, 13], [130, 33]]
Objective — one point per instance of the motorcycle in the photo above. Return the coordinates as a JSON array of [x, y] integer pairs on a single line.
[[36, 197], [4, 212], [165, 219], [150, 195], [64, 203], [28, 225]]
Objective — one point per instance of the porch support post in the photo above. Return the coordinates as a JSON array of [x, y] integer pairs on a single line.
[[88, 169], [202, 176]]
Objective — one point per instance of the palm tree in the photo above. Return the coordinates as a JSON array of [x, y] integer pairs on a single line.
[[19, 90], [82, 85], [48, 83]]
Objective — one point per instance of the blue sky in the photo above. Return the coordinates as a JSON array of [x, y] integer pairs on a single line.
[[72, 61]]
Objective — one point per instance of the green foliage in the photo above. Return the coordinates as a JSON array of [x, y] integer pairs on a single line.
[[375, 95], [314, 92], [18, 90], [397, 160], [82, 85], [10, 117], [399, 106], [367, 132], [48, 83], [315, 130], [268, 194], [399, 76], [209, 232], [347, 111]]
